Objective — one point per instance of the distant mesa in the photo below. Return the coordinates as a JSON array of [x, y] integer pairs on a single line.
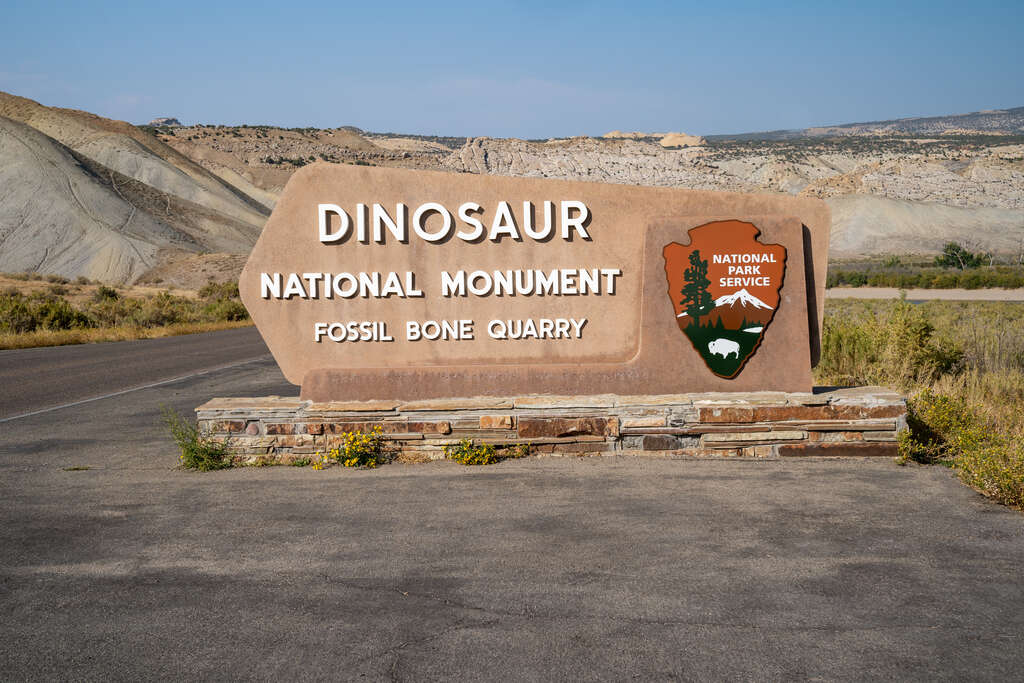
[[664, 139], [165, 121], [681, 140]]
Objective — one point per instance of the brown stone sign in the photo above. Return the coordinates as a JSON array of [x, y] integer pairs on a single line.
[[372, 283]]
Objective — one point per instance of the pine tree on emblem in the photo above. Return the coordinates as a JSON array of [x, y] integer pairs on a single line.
[[696, 297]]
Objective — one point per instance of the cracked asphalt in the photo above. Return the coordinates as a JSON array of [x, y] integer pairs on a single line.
[[584, 569]]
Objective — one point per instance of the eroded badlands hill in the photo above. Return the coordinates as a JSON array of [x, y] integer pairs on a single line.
[[56, 216], [84, 195]]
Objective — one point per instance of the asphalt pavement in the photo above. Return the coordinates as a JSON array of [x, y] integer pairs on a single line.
[[114, 565], [38, 379]]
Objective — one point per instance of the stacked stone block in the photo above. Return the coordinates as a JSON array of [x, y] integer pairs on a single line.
[[862, 421]]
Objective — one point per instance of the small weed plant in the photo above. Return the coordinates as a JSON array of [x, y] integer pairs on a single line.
[[466, 452], [198, 451]]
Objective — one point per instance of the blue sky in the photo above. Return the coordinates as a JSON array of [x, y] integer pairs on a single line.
[[524, 69]]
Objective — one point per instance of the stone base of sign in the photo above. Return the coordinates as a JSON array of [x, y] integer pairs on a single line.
[[862, 421]]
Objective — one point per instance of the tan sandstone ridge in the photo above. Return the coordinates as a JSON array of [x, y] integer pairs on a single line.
[[260, 159], [888, 195]]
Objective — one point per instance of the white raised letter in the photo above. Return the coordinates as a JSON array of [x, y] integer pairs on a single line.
[[464, 214], [453, 285], [574, 223], [395, 227], [417, 222], [325, 236], [549, 220], [270, 285], [504, 224]]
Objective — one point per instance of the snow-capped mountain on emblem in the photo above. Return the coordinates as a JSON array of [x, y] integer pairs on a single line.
[[743, 297], [724, 287]]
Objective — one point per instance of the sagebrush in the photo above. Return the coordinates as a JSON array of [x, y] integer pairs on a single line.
[[962, 363], [45, 317]]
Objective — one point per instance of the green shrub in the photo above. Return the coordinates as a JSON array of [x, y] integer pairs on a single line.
[[911, 344], [108, 308], [226, 310], [16, 316], [955, 256], [219, 290], [963, 364], [222, 302], [198, 451], [975, 277], [892, 345], [163, 309], [20, 314], [104, 293], [110, 312], [59, 315]]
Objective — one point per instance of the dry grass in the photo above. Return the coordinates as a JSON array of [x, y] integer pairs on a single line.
[[108, 334], [962, 363]]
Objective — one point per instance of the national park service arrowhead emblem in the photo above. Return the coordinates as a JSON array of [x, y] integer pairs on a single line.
[[724, 286]]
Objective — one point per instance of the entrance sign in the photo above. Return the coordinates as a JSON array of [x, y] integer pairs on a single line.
[[375, 283]]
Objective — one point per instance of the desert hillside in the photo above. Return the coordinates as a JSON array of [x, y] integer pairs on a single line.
[[260, 159], [85, 195], [58, 217]]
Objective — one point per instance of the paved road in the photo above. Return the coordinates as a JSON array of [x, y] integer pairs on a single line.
[[993, 294], [36, 379], [590, 569]]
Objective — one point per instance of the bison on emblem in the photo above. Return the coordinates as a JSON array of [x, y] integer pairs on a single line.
[[724, 348]]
